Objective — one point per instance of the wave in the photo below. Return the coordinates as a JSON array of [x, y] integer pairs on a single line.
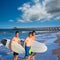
[[1, 44]]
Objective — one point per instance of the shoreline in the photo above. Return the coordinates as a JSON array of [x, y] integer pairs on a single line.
[[57, 51]]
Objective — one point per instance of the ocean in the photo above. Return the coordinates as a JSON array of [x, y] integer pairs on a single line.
[[48, 38]]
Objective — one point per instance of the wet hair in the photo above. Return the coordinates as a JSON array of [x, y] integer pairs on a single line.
[[16, 32], [30, 33], [33, 31]]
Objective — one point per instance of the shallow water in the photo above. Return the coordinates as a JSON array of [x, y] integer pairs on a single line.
[[47, 38]]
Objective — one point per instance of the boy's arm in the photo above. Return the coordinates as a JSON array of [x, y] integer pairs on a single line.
[[24, 42], [19, 41], [11, 43]]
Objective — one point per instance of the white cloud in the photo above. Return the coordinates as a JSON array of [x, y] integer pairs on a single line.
[[11, 20], [35, 12], [53, 7], [38, 11], [36, 1], [57, 18], [20, 21], [24, 7]]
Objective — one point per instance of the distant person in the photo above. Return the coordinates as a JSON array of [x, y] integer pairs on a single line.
[[28, 42], [16, 39]]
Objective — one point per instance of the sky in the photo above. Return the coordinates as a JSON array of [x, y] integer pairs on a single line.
[[29, 13]]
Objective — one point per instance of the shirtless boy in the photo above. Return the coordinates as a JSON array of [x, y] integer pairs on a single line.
[[16, 39], [28, 41]]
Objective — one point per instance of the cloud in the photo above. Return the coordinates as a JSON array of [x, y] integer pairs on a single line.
[[11, 20], [24, 7], [38, 11], [36, 1], [57, 18], [35, 12], [18, 21], [53, 7]]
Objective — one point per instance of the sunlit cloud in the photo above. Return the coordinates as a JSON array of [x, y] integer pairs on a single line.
[[11, 20], [20, 21], [37, 12]]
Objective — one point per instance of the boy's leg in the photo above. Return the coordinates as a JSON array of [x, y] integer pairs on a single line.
[[15, 57], [29, 57]]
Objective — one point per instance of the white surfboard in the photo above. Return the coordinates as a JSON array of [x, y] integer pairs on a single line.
[[15, 46], [36, 47]]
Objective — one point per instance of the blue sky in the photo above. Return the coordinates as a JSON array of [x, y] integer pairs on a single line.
[[29, 13]]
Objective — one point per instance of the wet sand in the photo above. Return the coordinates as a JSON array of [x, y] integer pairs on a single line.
[[57, 51], [58, 40]]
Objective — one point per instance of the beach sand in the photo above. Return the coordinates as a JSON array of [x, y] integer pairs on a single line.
[[57, 51], [58, 40]]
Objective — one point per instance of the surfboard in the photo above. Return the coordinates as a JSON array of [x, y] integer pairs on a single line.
[[15, 46], [37, 47]]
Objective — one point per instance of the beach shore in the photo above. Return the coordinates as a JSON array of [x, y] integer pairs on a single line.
[[58, 40], [57, 51]]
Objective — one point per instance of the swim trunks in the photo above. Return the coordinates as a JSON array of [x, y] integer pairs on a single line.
[[28, 50]]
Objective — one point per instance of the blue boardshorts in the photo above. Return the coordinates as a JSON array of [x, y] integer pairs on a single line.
[[28, 50]]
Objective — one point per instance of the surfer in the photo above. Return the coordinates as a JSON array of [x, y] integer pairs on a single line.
[[33, 39], [28, 42], [16, 39]]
